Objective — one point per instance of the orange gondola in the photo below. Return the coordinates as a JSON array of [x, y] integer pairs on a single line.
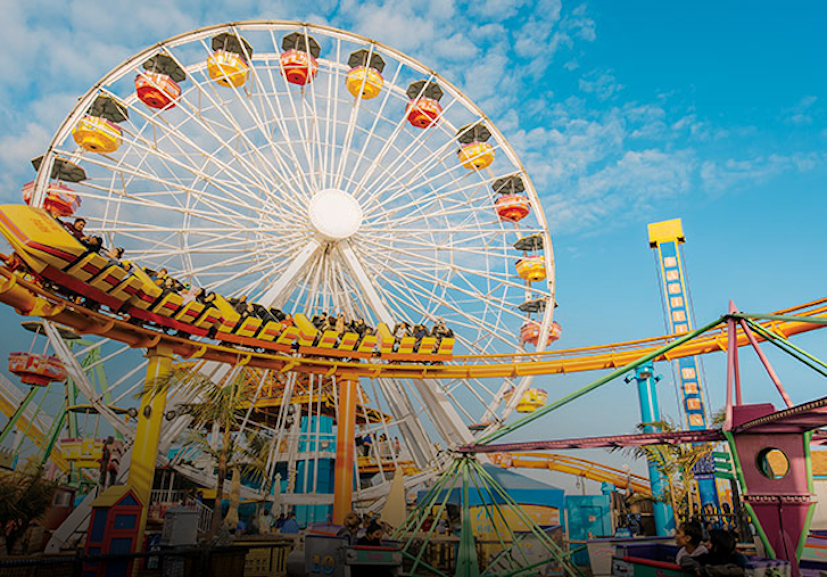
[[37, 370], [530, 332], [423, 110], [158, 86], [512, 207], [298, 61], [60, 200]]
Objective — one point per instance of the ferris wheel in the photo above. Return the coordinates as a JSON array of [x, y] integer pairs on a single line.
[[315, 170]]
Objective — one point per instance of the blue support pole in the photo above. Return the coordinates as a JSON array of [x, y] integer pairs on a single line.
[[650, 413]]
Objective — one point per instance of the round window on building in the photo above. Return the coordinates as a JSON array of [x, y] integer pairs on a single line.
[[773, 463]]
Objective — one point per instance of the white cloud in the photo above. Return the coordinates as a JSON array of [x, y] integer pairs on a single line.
[[601, 84], [731, 174], [802, 112]]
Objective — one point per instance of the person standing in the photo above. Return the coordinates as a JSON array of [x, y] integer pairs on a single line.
[[367, 443], [291, 526], [104, 462], [115, 453], [265, 522]]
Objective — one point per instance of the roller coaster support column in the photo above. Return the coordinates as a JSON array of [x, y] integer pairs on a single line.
[[650, 413], [345, 448], [148, 432]]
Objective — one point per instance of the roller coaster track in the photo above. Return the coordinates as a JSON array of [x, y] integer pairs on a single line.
[[30, 299], [572, 466], [552, 462]]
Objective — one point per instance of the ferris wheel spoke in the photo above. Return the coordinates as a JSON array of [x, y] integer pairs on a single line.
[[415, 266], [352, 126], [371, 133], [190, 166], [486, 329], [215, 218], [279, 116], [478, 387], [207, 89], [153, 201], [417, 171], [275, 294], [312, 183], [194, 172], [257, 179], [413, 175], [122, 168], [417, 141], [452, 190], [317, 142]]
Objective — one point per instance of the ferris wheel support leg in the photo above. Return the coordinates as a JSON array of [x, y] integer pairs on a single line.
[[20, 410], [148, 432], [345, 449]]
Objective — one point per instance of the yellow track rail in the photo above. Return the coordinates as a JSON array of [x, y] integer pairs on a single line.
[[572, 466]]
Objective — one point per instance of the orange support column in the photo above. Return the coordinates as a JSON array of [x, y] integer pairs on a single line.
[[345, 448]]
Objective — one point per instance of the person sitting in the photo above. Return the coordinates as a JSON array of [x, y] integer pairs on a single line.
[[265, 315], [191, 294], [114, 255], [239, 304], [689, 538], [247, 311], [277, 313], [319, 320], [169, 285], [92, 243], [76, 228], [367, 331], [341, 324], [419, 333], [400, 331], [720, 561], [157, 277], [358, 326], [351, 527], [327, 323], [265, 522], [439, 330], [372, 537]]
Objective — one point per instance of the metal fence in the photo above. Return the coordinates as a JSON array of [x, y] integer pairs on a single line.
[[179, 562]]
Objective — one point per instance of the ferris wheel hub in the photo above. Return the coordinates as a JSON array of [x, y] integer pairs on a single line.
[[334, 214]]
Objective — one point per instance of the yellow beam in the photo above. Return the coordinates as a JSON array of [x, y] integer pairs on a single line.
[[148, 432]]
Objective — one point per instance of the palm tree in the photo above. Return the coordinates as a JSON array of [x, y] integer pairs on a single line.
[[245, 458], [25, 496], [677, 465], [218, 403]]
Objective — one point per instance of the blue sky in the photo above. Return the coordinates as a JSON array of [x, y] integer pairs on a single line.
[[624, 113]]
